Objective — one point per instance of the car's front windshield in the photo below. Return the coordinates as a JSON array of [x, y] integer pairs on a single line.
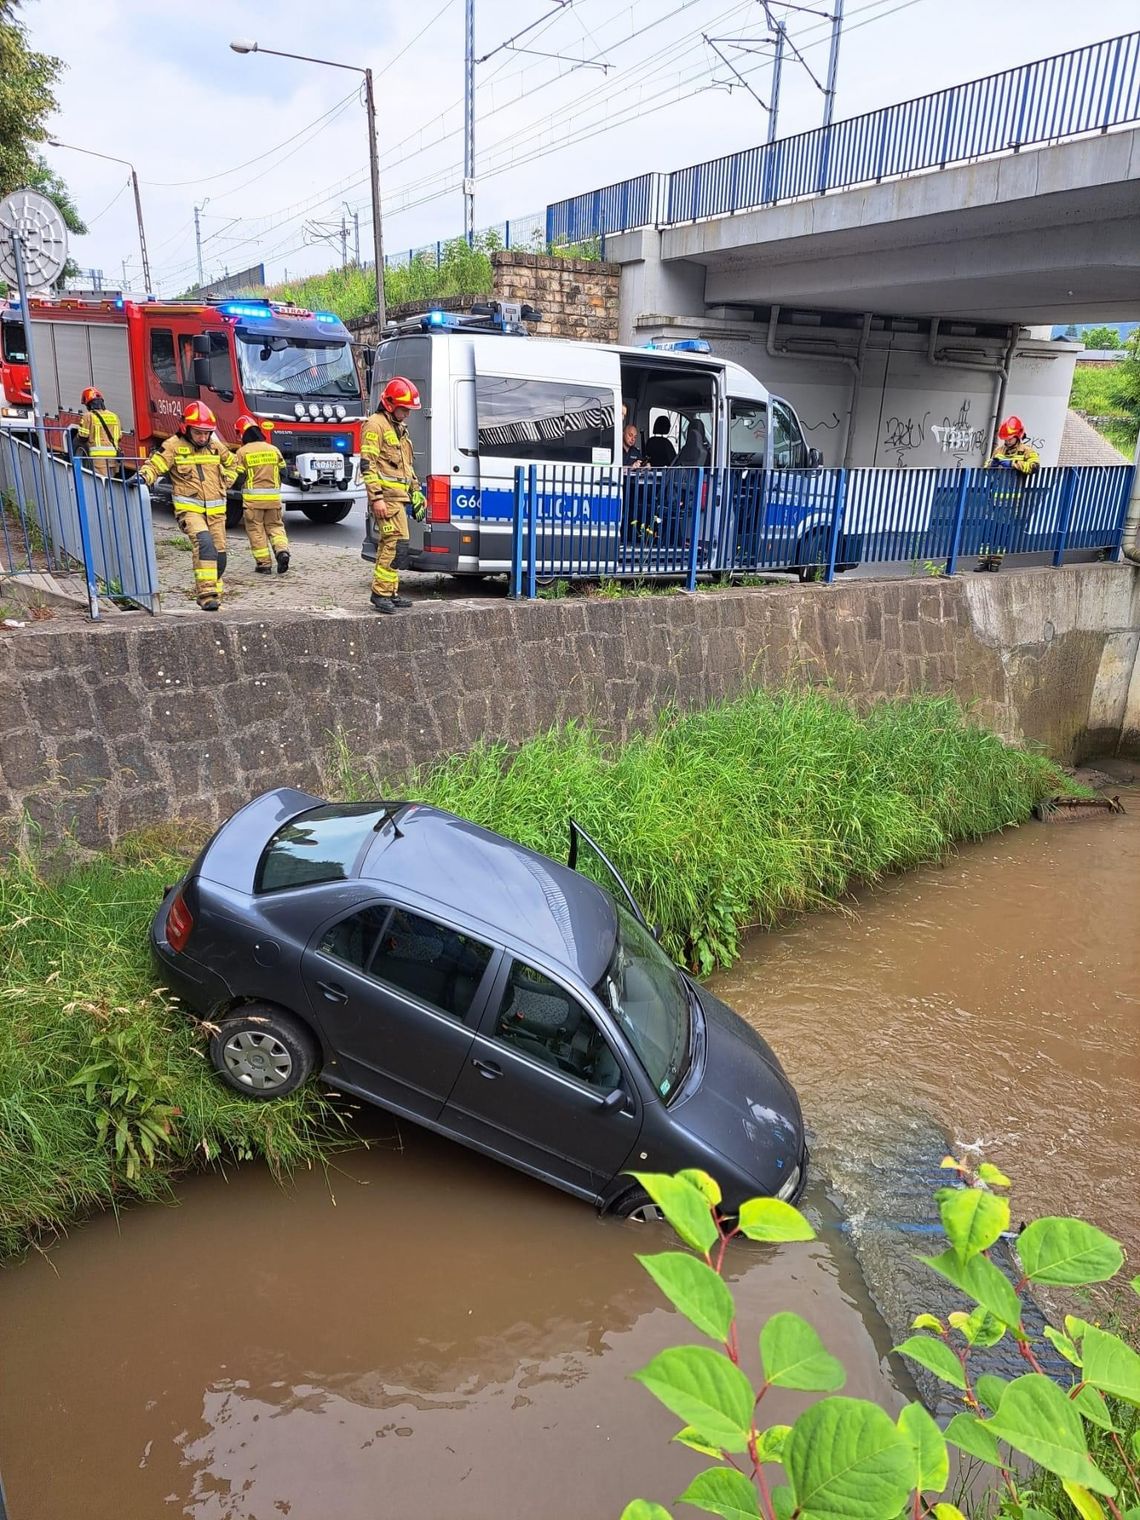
[[301, 369], [644, 992]]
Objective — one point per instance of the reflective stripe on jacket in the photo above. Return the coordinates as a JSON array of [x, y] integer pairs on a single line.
[[261, 464], [387, 460], [199, 477], [101, 433], [1022, 457]]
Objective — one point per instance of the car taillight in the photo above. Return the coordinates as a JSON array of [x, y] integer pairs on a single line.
[[179, 922], [438, 499]]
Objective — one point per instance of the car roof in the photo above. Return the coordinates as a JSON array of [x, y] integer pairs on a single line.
[[524, 897]]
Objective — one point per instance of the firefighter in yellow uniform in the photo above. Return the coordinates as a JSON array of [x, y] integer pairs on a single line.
[[388, 472], [1014, 450], [99, 431], [201, 468], [260, 462], [1016, 459]]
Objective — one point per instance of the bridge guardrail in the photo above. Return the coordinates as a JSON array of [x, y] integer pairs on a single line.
[[580, 522], [1089, 89]]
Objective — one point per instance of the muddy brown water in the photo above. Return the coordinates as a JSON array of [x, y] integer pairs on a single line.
[[421, 1333]]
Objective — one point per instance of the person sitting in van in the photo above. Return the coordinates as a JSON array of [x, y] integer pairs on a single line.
[[695, 450], [631, 456], [659, 451]]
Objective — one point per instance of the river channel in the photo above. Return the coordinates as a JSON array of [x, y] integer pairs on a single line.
[[419, 1333]]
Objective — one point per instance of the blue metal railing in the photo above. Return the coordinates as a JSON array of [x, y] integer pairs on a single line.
[[60, 518], [1088, 90], [577, 522]]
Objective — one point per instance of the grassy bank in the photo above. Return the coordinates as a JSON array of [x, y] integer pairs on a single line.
[[738, 815]]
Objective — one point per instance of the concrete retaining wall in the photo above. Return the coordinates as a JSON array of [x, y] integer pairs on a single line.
[[118, 727]]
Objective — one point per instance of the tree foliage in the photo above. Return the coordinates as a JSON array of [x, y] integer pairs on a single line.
[[27, 99], [1101, 337]]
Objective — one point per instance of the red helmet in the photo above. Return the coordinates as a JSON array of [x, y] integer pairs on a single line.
[[245, 421], [400, 392], [1010, 429], [196, 414], [92, 393]]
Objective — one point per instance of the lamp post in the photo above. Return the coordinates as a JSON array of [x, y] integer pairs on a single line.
[[110, 157], [241, 45]]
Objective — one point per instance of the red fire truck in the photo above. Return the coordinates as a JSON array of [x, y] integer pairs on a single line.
[[280, 364], [15, 384]]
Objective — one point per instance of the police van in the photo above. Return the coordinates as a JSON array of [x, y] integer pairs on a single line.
[[495, 398]]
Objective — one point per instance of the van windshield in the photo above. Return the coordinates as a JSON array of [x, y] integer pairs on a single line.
[[644, 992]]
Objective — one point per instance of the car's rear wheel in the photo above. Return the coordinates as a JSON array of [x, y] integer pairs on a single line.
[[262, 1052], [638, 1206]]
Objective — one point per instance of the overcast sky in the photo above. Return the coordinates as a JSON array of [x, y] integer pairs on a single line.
[[271, 149]]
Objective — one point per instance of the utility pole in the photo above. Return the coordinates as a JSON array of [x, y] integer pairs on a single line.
[[355, 233], [198, 242], [124, 275], [374, 176], [469, 120], [343, 242], [777, 64], [833, 64]]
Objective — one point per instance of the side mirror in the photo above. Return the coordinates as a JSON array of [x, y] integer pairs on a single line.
[[201, 345], [814, 459], [214, 373], [201, 368], [614, 1100]]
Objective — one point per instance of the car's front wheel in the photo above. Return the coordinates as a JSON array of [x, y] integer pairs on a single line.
[[262, 1052], [636, 1205]]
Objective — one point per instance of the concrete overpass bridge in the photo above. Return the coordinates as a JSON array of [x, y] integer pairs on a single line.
[[882, 273]]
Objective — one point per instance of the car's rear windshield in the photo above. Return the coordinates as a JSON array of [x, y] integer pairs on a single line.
[[324, 844]]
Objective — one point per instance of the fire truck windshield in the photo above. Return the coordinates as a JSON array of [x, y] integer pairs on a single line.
[[299, 369], [15, 344]]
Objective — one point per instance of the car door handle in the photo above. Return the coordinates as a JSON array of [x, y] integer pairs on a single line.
[[487, 1069], [333, 991]]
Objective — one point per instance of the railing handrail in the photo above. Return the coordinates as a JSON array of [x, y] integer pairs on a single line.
[[1067, 118]]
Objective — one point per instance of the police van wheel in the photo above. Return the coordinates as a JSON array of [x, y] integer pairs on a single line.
[[327, 511]]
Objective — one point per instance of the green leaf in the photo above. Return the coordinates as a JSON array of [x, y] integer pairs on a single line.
[[1075, 1326], [645, 1509], [973, 1220], [1092, 1406], [693, 1287], [1063, 1344], [723, 1491], [846, 1460], [772, 1219], [1136, 1444], [684, 1206], [793, 1356], [704, 1389], [696, 1442], [931, 1461], [980, 1280], [936, 1356], [948, 1512], [1036, 1418], [1083, 1502], [783, 1502], [987, 1172], [770, 1443], [1136, 1284], [1110, 1365], [990, 1389], [929, 1322], [704, 1184], [969, 1434], [1067, 1253], [985, 1328]]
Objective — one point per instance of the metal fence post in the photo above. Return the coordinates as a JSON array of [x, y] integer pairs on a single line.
[[959, 518], [1110, 91], [1068, 495], [531, 530], [836, 524], [85, 539], [695, 525], [516, 535]]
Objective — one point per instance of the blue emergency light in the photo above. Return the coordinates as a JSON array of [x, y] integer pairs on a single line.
[[245, 309], [326, 316], [681, 345]]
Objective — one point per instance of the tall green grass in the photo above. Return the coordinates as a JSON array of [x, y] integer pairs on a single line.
[[748, 811], [737, 815], [76, 973]]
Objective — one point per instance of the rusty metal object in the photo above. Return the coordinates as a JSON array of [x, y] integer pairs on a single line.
[[1061, 809]]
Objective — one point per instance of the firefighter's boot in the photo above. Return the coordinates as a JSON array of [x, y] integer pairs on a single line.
[[282, 561], [382, 603]]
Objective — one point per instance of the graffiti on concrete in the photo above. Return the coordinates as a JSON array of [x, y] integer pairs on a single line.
[[811, 427], [958, 437], [902, 438]]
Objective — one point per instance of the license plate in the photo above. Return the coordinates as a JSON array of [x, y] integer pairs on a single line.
[[326, 464]]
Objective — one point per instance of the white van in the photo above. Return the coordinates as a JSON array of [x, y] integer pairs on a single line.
[[495, 398]]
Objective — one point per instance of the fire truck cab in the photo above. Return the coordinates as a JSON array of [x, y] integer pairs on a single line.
[[292, 368], [15, 384]]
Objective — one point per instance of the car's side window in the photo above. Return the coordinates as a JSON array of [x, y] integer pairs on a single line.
[[432, 962], [540, 1019], [353, 940]]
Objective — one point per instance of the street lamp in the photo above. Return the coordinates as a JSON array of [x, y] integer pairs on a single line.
[[110, 157], [243, 45]]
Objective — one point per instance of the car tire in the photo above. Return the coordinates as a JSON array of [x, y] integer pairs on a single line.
[[327, 511], [636, 1205], [262, 1053], [812, 555]]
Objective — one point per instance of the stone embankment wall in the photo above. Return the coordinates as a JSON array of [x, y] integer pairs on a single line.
[[118, 727], [578, 298]]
